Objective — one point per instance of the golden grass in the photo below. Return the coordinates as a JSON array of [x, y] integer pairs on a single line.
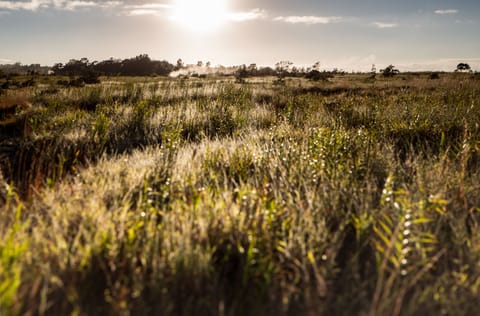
[[200, 197]]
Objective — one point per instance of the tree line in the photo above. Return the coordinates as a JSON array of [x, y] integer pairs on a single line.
[[141, 65]]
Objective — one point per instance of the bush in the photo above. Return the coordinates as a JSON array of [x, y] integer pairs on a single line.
[[90, 78], [390, 71], [316, 75]]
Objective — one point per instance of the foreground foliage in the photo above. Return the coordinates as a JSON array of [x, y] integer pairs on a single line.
[[185, 197]]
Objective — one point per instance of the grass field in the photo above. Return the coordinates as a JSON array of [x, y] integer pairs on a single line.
[[144, 196]]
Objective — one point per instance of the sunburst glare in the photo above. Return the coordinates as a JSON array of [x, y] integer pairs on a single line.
[[200, 16]]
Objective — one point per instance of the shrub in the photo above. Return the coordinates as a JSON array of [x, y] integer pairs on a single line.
[[390, 71]]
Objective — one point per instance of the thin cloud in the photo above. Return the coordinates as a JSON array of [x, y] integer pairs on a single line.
[[24, 5], [143, 9], [255, 14], [35, 5], [79, 4], [139, 12], [154, 9], [149, 6], [384, 25], [444, 12], [73, 5], [310, 19], [158, 9]]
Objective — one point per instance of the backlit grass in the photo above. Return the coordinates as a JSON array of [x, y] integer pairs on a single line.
[[207, 197]]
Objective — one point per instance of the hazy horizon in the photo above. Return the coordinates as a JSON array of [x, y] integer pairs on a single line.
[[345, 34]]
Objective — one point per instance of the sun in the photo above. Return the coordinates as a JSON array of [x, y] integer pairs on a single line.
[[200, 15]]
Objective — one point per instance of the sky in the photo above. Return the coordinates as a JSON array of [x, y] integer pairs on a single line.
[[343, 34]]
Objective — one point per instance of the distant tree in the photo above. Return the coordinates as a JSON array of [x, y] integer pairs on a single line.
[[199, 63], [241, 73], [57, 68], [82, 68], [463, 67], [283, 68], [162, 68], [208, 64], [109, 67], [373, 72], [390, 71], [76, 66], [316, 75], [266, 71], [295, 71], [140, 65], [180, 64]]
